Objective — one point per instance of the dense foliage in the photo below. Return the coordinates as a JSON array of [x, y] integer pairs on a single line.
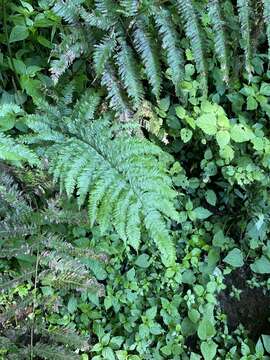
[[134, 179]]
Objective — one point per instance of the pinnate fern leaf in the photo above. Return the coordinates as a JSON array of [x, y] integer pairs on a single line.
[[124, 178]]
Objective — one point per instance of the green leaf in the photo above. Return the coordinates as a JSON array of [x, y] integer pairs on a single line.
[[72, 304], [265, 89], [266, 342], [143, 261], [208, 350], [234, 258], [208, 124], [211, 197], [18, 33], [239, 133], [223, 138], [206, 329], [151, 313], [227, 153], [261, 266], [201, 213], [186, 135], [251, 103]]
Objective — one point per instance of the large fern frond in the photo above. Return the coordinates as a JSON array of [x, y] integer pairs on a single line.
[[266, 15], [126, 179], [244, 12], [219, 36], [129, 72], [146, 47], [170, 42], [194, 33], [103, 52]]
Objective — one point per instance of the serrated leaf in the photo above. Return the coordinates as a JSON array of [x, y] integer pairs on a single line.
[[239, 133], [223, 138], [208, 124]]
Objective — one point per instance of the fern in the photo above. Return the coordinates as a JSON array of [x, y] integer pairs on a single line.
[[125, 178], [146, 47], [170, 42], [68, 9], [266, 15], [219, 37], [129, 73], [244, 12], [116, 96], [73, 46], [103, 52], [12, 151], [194, 33]]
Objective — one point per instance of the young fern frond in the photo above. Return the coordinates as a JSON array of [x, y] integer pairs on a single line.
[[219, 37], [170, 42], [193, 33], [244, 12], [129, 72], [146, 47], [266, 15]]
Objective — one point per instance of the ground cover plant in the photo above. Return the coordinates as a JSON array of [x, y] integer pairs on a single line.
[[134, 179]]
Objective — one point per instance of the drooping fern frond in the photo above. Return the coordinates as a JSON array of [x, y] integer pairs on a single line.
[[244, 12], [170, 42], [129, 73], [193, 33], [146, 47], [117, 98], [124, 178], [219, 36], [266, 15], [103, 52]]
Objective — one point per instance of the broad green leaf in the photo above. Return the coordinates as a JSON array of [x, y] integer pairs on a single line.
[[208, 123], [251, 103], [201, 213], [72, 304], [186, 135], [142, 261], [206, 329], [234, 258], [265, 89], [211, 197], [223, 138], [261, 266], [227, 153], [208, 350], [239, 133], [18, 33], [266, 342]]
